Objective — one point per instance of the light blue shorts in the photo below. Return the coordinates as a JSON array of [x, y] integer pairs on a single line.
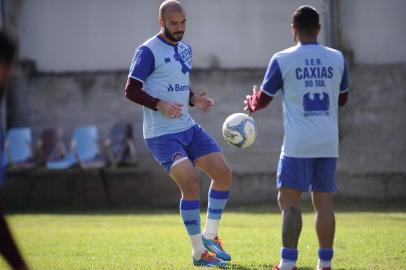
[[307, 174], [170, 149]]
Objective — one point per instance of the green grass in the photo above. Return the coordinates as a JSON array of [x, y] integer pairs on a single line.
[[158, 240]]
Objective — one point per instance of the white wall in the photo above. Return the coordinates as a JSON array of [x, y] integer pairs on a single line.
[[76, 35], [237, 33], [374, 30]]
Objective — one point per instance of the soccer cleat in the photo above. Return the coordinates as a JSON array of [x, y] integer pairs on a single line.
[[209, 259], [277, 268], [325, 268], [216, 246]]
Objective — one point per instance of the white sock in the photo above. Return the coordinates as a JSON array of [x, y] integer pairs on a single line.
[[211, 228], [286, 264], [321, 264], [197, 246]]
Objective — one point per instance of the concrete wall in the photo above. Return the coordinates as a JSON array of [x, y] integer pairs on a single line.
[[371, 29], [71, 36], [94, 35], [373, 145]]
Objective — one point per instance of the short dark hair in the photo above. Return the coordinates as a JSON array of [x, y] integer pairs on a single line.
[[8, 49], [306, 19], [168, 6]]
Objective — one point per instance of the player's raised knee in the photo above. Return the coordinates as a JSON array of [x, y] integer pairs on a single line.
[[190, 189], [227, 174]]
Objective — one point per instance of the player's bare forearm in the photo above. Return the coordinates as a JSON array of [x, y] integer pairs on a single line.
[[170, 109], [202, 101]]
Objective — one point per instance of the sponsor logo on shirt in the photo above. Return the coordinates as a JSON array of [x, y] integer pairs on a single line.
[[316, 104], [177, 88]]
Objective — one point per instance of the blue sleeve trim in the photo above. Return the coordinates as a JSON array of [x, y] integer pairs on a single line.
[[142, 64], [273, 78], [266, 93], [189, 205], [215, 194], [344, 80], [135, 78]]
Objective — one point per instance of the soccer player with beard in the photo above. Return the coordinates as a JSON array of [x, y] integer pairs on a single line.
[[313, 82], [159, 80]]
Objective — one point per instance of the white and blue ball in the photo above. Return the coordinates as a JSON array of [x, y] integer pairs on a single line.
[[239, 130]]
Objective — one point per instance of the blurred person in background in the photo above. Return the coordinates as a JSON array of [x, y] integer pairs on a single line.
[[8, 248]]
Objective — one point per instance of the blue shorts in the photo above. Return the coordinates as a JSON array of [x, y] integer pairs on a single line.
[[170, 149], [307, 174]]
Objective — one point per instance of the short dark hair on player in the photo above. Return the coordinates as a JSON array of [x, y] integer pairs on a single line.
[[168, 6], [306, 19], [8, 49]]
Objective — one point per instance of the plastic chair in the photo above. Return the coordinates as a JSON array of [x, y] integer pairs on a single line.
[[120, 146], [85, 153], [17, 157], [17, 148], [84, 150]]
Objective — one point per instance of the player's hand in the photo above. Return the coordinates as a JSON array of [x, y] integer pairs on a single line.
[[248, 100], [202, 101], [170, 109]]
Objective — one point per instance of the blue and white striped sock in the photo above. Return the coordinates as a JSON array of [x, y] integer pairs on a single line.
[[190, 212], [288, 258], [216, 203], [325, 256]]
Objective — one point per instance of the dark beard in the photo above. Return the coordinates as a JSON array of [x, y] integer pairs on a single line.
[[170, 36]]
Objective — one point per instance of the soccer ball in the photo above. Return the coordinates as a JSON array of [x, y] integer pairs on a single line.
[[239, 130]]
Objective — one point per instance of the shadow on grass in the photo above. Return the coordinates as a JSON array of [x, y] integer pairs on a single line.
[[340, 206], [234, 266]]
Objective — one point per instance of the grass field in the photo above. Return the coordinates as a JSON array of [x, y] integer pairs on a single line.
[[370, 238]]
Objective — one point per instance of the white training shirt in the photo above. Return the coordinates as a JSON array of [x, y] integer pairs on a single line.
[[164, 69], [310, 77]]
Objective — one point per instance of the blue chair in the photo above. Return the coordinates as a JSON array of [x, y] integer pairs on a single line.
[[120, 147], [17, 157], [17, 148], [84, 150], [84, 153]]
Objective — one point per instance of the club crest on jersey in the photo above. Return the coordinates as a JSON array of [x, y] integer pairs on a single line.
[[316, 104], [177, 155], [183, 54]]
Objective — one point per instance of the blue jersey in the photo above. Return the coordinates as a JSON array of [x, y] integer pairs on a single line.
[[310, 77], [164, 69]]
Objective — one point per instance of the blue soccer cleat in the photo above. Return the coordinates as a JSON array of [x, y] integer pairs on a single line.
[[209, 259], [216, 246]]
